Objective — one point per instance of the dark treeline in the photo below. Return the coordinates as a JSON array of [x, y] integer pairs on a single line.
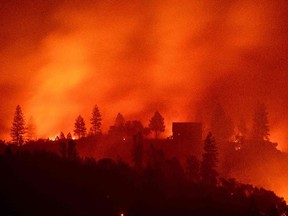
[[43, 183], [23, 132], [218, 122], [139, 174]]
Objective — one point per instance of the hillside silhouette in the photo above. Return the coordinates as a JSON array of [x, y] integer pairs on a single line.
[[43, 183]]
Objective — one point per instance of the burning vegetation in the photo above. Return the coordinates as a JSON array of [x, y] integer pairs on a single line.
[[225, 155], [176, 70]]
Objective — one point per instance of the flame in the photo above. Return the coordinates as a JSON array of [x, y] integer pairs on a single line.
[[136, 57]]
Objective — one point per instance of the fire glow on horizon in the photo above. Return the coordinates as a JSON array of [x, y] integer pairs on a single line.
[[60, 58], [138, 57]]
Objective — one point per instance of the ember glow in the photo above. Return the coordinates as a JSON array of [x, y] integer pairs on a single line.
[[60, 58]]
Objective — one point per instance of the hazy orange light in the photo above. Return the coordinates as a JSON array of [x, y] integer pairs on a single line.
[[281, 138], [141, 56]]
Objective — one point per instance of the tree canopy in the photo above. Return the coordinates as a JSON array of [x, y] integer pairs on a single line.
[[157, 124], [80, 127], [260, 130], [96, 121], [209, 161], [18, 127], [69, 136], [119, 121]]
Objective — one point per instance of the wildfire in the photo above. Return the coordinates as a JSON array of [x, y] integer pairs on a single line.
[[143, 56]]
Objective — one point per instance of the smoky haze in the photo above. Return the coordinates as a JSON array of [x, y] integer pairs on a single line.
[[59, 58]]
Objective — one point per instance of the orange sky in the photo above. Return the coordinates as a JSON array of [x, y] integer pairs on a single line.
[[60, 59]]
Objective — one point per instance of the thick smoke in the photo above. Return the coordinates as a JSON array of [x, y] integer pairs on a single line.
[[59, 58]]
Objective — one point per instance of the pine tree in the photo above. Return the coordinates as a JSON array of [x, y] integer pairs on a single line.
[[209, 161], [118, 129], [119, 121], [157, 124], [69, 136], [62, 136], [18, 127], [80, 128], [260, 130], [95, 121], [221, 124], [134, 127]]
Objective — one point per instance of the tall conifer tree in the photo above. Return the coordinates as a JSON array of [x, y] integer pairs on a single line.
[[260, 130], [18, 127], [95, 121], [80, 128], [157, 124], [209, 161]]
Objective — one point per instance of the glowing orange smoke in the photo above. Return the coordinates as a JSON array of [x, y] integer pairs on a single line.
[[138, 57], [135, 57]]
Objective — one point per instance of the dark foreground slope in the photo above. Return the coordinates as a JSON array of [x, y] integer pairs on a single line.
[[42, 183]]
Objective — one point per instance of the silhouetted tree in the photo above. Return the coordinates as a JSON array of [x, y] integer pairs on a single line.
[[119, 121], [69, 136], [137, 151], [221, 124], [260, 130], [157, 124], [134, 127], [80, 128], [118, 129], [18, 127], [95, 121], [107, 187], [209, 161], [31, 130], [146, 131], [62, 136]]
